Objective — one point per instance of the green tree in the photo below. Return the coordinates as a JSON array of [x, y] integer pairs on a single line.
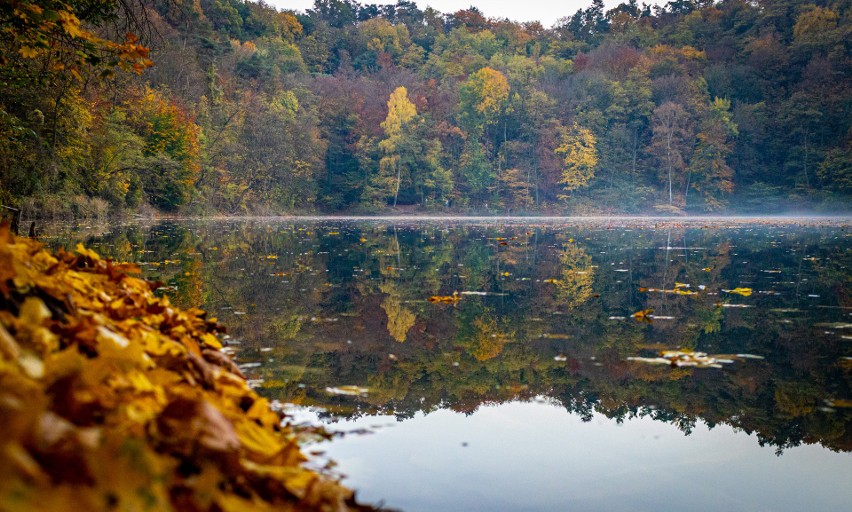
[[116, 160], [708, 169]]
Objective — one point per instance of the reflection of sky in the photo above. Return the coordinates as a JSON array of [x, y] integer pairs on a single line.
[[536, 456]]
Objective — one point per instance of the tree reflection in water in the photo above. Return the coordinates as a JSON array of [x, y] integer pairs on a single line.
[[327, 304]]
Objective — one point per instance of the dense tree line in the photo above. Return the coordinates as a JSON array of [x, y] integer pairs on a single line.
[[693, 106]]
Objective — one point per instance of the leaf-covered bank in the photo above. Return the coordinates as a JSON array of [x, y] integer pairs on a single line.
[[111, 398]]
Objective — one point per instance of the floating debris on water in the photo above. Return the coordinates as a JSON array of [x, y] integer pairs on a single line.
[[745, 292], [837, 403], [455, 297], [347, 390], [555, 336], [685, 358], [675, 291], [643, 316]]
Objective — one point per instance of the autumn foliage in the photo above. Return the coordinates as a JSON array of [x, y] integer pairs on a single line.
[[685, 107], [112, 398], [55, 31]]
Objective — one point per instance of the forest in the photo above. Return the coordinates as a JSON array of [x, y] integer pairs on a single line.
[[232, 107]]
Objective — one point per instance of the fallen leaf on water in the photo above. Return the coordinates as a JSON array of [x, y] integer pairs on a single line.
[[685, 358], [834, 325], [749, 356], [839, 402], [676, 291], [483, 294], [347, 390], [745, 292], [650, 360], [455, 297], [643, 316]]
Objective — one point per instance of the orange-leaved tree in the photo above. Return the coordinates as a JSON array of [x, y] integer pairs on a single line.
[[69, 36], [171, 140]]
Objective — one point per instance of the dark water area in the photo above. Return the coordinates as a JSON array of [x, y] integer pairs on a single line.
[[614, 364]]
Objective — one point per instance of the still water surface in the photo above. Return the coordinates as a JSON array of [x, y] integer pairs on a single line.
[[537, 383]]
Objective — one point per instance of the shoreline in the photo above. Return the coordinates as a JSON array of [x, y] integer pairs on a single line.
[[113, 398]]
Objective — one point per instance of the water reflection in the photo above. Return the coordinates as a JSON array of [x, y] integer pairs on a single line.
[[336, 315], [535, 456]]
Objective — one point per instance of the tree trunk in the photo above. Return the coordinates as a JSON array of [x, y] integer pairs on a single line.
[[669, 160], [398, 183]]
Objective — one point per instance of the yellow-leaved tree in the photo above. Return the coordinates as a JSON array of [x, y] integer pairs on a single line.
[[401, 114], [579, 158]]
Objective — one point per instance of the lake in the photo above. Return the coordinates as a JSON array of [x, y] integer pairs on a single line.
[[538, 364]]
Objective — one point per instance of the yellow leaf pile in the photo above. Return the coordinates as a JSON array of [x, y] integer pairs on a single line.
[[112, 398]]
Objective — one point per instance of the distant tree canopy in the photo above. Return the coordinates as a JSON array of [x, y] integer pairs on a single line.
[[687, 107]]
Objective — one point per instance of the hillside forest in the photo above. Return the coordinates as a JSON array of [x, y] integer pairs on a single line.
[[203, 107]]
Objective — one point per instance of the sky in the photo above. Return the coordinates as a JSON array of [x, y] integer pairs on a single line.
[[545, 11]]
